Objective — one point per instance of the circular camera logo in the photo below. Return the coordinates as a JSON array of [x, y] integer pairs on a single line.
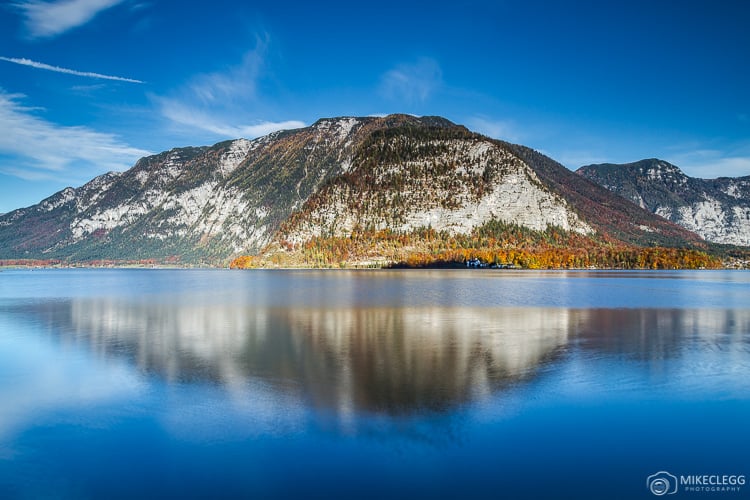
[[662, 483]]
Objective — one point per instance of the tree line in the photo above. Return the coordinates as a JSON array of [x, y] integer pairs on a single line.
[[495, 242]]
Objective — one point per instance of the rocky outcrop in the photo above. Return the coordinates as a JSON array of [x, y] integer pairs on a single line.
[[452, 184], [716, 209]]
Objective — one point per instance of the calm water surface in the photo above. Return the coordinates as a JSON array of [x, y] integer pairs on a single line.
[[370, 384]]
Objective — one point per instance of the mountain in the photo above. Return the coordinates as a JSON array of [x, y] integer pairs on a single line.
[[609, 215], [335, 178], [202, 203], [716, 209], [446, 178]]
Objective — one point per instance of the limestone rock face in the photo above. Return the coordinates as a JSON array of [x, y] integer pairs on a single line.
[[716, 209]]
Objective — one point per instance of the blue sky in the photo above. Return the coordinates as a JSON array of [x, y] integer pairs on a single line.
[[88, 86]]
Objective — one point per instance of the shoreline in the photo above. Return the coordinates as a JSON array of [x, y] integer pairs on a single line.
[[394, 267]]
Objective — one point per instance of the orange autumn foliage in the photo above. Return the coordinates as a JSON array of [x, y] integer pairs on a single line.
[[493, 243]]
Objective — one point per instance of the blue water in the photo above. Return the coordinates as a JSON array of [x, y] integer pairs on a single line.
[[371, 384]]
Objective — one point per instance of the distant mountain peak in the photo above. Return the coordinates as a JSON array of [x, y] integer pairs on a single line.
[[655, 168], [716, 209]]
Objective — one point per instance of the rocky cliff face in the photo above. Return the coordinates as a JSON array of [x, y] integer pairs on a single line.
[[716, 209], [337, 176], [168, 204], [449, 180]]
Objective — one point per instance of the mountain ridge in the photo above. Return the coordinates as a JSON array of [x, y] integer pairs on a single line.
[[341, 175], [716, 209]]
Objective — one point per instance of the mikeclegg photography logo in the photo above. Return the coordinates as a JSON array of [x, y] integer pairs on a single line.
[[663, 483]]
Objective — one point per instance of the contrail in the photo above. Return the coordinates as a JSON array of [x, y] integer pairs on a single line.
[[58, 69]]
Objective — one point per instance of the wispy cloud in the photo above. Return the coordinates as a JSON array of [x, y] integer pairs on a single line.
[[694, 160], [711, 163], [56, 384], [412, 83], [44, 19], [497, 129], [193, 118], [236, 84], [574, 159], [221, 103], [46, 150], [58, 69]]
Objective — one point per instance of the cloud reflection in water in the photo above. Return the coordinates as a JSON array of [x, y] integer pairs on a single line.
[[389, 361]]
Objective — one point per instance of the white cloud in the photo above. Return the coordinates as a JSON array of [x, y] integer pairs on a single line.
[[236, 84], [46, 382], [58, 69], [694, 160], [221, 103], [412, 83], [497, 129], [48, 19], [574, 159], [712, 163], [45, 150], [184, 115]]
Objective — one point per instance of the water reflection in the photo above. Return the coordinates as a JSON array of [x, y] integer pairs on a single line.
[[654, 334], [390, 360]]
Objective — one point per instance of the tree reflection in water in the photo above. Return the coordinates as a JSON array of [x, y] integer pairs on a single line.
[[386, 360]]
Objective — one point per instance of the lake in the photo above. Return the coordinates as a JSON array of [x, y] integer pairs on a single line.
[[373, 384]]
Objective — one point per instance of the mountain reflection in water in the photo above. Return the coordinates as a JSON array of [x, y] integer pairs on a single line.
[[383, 360]]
